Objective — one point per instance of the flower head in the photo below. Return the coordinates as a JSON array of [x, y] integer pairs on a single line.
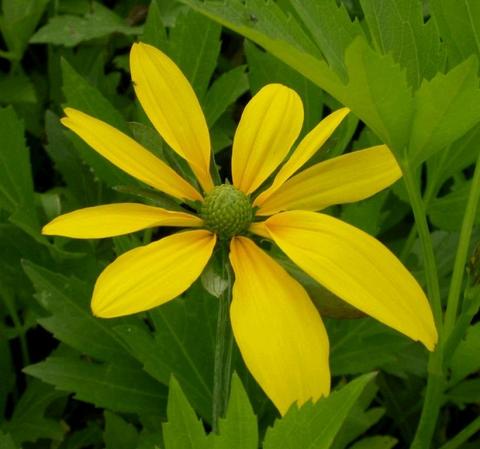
[[277, 328]]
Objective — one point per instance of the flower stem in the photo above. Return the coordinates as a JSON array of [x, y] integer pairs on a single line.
[[222, 372], [462, 251], [436, 379]]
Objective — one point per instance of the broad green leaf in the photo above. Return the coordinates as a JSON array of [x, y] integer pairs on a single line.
[[376, 442], [18, 21], [119, 434], [264, 69], [70, 30], [6, 441], [16, 89], [315, 426], [154, 32], [83, 96], [16, 184], [459, 24], [400, 30], [171, 350], [71, 320], [239, 429], [224, 91], [28, 422], [331, 29], [120, 386], [465, 360], [466, 392], [445, 109], [194, 45], [183, 429]]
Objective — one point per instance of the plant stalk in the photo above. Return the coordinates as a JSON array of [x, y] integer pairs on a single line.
[[222, 372]]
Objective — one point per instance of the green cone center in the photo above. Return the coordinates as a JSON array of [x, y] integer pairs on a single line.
[[227, 211]]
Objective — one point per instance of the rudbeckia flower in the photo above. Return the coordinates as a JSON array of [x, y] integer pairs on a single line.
[[278, 330]]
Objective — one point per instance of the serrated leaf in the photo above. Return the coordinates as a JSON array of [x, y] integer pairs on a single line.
[[69, 30], [401, 31], [121, 386], [183, 429], [239, 429], [182, 344], [445, 109], [16, 184], [28, 422], [119, 434], [314, 426], [71, 320]]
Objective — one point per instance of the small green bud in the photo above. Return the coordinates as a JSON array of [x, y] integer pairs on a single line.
[[227, 211]]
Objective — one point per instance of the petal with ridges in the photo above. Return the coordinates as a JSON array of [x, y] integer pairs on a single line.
[[304, 151], [357, 268], [270, 124], [170, 103], [343, 179], [122, 151], [150, 275], [116, 219], [277, 328]]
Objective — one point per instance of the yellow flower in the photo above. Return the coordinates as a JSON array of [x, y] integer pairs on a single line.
[[277, 328]]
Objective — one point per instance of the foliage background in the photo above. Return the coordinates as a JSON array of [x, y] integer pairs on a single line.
[[69, 380]]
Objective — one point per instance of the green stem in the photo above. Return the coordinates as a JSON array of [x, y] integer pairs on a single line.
[[431, 274], [222, 372], [462, 251], [435, 384], [463, 435]]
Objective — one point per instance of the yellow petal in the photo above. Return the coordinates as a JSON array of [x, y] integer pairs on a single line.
[[128, 155], [150, 275], [305, 150], [343, 179], [357, 268], [116, 219], [171, 105], [270, 124], [278, 330]]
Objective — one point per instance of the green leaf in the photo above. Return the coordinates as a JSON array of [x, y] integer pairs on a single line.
[[194, 45], [119, 434], [28, 422], [225, 90], [183, 430], [459, 24], [6, 441], [445, 109], [16, 89], [315, 426], [465, 360], [71, 320], [154, 32], [71, 30], [121, 386], [401, 31], [170, 350], [239, 429], [331, 29], [80, 94], [467, 392], [18, 22], [376, 442], [16, 184]]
